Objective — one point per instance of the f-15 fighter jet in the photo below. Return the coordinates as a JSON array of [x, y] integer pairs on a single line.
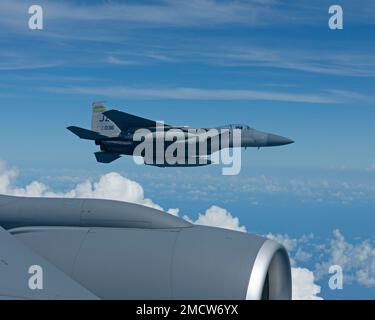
[[120, 133]]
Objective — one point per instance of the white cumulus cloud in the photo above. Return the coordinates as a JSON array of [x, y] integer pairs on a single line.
[[111, 186], [357, 260], [304, 287], [220, 218], [303, 279], [293, 246]]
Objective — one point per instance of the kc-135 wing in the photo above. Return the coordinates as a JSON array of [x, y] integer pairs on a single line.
[[15, 262]]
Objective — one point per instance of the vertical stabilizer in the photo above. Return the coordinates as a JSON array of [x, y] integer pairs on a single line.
[[100, 123]]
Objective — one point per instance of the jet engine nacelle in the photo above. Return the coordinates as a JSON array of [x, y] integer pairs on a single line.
[[118, 250]]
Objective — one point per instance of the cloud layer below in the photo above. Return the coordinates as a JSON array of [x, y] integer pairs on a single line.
[[357, 260]]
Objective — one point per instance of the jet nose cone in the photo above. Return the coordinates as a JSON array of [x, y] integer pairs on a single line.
[[275, 140]]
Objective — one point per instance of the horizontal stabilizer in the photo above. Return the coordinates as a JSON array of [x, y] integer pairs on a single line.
[[106, 157], [86, 134]]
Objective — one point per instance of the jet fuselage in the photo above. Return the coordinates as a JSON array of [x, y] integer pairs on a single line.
[[250, 137]]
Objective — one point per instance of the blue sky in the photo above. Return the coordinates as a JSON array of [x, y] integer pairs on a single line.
[[272, 64]]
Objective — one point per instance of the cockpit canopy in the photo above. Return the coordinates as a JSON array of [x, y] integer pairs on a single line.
[[236, 126]]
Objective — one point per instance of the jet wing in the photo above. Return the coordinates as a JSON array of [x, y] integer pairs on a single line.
[[15, 261], [126, 121]]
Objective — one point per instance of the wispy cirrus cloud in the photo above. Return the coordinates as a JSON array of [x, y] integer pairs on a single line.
[[181, 93], [119, 62], [341, 63], [27, 65], [165, 13], [16, 60], [192, 13], [128, 26]]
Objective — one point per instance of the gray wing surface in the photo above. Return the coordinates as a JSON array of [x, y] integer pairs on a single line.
[[15, 261], [126, 121]]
